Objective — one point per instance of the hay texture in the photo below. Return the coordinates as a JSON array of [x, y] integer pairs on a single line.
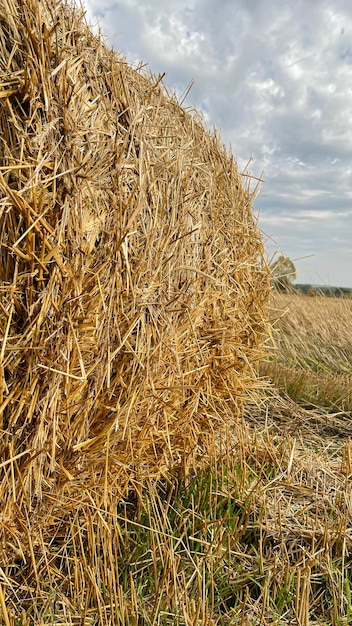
[[133, 286]]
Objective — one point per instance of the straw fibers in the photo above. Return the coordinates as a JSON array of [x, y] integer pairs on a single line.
[[133, 287]]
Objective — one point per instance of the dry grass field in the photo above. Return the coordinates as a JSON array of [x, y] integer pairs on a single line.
[[313, 358]]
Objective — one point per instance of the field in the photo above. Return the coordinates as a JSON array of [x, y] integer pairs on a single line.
[[263, 534], [313, 361]]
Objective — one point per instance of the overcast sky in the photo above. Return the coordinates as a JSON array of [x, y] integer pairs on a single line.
[[276, 78]]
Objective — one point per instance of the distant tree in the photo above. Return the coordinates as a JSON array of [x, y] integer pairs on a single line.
[[283, 272]]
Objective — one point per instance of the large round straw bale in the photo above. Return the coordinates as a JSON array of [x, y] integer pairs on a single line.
[[133, 285]]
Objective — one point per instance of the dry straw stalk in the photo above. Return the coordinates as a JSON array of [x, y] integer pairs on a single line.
[[133, 286]]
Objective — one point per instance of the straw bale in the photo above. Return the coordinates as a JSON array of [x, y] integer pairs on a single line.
[[133, 286]]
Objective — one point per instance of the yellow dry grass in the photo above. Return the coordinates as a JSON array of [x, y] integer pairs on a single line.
[[312, 358]]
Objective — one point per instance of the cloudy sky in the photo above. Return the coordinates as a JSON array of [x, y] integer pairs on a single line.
[[276, 79]]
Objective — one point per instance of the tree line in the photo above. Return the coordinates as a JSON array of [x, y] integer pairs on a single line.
[[283, 273]]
